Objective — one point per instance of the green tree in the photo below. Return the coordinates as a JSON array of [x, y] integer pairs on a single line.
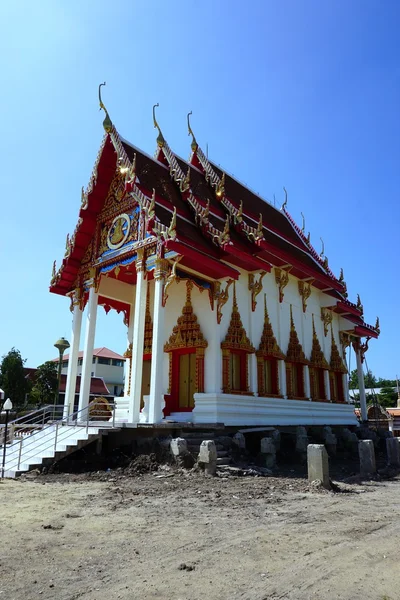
[[45, 385], [12, 378], [387, 396], [353, 381]]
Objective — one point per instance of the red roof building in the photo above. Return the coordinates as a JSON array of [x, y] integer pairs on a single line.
[[152, 235]]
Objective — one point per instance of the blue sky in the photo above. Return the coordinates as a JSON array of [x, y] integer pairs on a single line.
[[302, 94]]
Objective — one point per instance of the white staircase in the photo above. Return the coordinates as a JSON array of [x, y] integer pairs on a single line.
[[41, 435]]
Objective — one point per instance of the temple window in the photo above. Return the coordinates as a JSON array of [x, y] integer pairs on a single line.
[[318, 366], [337, 372], [186, 347], [268, 355], [235, 350], [295, 361]]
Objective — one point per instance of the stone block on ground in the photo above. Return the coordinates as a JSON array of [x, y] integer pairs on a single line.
[[393, 452], [318, 464], [180, 452], [366, 452], [208, 457]]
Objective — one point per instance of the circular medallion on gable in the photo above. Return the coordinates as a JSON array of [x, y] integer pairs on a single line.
[[118, 232]]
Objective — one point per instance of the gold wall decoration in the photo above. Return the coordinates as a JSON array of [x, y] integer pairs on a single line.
[[377, 326], [345, 341], [221, 297], [128, 354], [236, 337], [170, 279], [317, 358], [305, 293], [186, 333], [326, 318], [268, 345], [281, 279], [255, 287], [295, 353]]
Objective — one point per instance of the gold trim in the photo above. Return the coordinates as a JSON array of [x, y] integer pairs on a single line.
[[295, 353], [268, 345], [317, 358], [281, 279], [326, 318], [255, 287], [186, 333], [305, 292]]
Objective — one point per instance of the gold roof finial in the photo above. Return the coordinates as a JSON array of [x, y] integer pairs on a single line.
[[323, 247], [285, 202], [377, 326], [160, 137], [304, 222], [107, 124], [194, 145]]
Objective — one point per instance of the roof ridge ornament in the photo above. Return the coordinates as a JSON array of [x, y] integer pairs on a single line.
[[304, 223], [107, 123], [194, 145], [160, 137], [283, 207]]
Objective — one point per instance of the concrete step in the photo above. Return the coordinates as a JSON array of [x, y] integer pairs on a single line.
[[224, 461], [222, 453]]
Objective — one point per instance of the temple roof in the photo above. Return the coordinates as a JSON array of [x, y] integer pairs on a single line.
[[219, 223]]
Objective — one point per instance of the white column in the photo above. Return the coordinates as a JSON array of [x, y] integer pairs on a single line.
[[253, 378], [129, 346], [88, 348], [138, 341], [213, 360], [307, 389], [327, 385], [361, 386], [157, 348], [69, 399], [282, 377]]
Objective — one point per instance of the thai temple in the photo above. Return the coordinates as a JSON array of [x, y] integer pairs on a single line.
[[232, 317]]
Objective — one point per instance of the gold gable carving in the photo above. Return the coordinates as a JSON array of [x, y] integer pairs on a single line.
[[295, 353], [187, 332], [317, 359], [236, 337], [268, 345]]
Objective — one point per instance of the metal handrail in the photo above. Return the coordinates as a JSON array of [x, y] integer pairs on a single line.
[[70, 419], [38, 413]]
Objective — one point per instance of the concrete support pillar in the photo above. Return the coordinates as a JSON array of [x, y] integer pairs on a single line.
[[361, 386], [318, 464], [366, 452], [282, 377], [393, 452], [327, 385], [157, 356], [138, 340], [208, 457], [307, 388], [88, 349], [69, 399]]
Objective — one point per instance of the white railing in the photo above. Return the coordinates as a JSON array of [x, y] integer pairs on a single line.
[[39, 432]]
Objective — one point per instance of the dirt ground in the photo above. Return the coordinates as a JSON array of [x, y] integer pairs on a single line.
[[177, 535]]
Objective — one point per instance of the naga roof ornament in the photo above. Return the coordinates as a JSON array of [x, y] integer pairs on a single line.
[[194, 145], [107, 123], [286, 199], [160, 137]]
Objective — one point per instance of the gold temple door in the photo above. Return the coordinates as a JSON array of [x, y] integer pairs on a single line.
[[187, 380]]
